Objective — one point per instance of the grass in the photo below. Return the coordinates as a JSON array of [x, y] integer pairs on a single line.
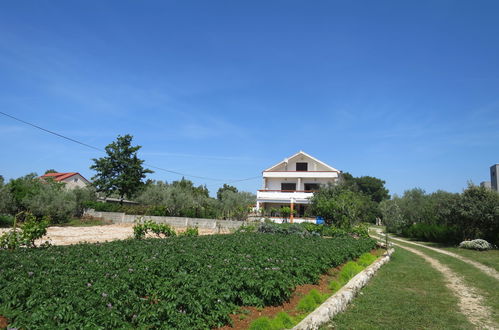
[[406, 293], [487, 286]]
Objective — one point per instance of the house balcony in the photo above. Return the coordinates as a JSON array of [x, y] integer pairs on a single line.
[[284, 196], [301, 174]]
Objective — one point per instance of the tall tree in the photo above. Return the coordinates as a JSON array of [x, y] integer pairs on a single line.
[[367, 185], [226, 187], [121, 171]]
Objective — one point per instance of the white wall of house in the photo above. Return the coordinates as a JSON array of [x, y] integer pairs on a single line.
[[275, 183], [75, 181]]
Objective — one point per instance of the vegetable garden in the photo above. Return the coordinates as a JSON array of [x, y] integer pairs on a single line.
[[179, 282]]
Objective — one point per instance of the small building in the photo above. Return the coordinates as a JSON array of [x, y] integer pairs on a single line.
[[494, 177], [72, 179], [486, 184], [292, 182]]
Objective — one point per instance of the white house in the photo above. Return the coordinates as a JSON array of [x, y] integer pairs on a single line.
[[293, 181], [72, 179]]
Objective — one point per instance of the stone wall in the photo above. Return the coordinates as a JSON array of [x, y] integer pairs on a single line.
[[117, 217]]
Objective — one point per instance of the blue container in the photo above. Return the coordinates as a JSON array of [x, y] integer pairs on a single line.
[[319, 220]]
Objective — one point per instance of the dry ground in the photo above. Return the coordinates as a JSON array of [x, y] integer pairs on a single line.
[[93, 234]]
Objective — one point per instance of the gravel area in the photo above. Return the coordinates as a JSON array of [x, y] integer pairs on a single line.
[[93, 234]]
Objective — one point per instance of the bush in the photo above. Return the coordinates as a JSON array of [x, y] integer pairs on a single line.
[[31, 229], [190, 232], [140, 229], [282, 321], [366, 259], [6, 220], [432, 233], [247, 229], [348, 271], [476, 244], [361, 230], [262, 323]]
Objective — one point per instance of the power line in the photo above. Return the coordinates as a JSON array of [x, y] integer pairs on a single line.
[[99, 149], [51, 132]]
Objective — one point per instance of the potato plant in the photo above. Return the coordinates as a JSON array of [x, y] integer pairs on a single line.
[[181, 282]]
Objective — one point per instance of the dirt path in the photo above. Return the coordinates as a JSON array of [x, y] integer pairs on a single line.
[[485, 269], [470, 301]]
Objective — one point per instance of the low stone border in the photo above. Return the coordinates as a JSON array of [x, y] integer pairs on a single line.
[[338, 302]]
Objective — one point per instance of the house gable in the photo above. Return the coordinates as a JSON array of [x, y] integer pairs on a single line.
[[301, 158]]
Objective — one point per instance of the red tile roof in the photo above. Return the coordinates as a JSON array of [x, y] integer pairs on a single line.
[[61, 176]]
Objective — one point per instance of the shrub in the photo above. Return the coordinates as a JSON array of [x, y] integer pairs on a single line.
[[348, 271], [262, 323], [332, 231], [335, 286], [306, 304], [432, 233], [366, 259], [140, 229], [31, 229], [247, 229], [361, 230], [476, 244], [6, 220], [190, 232], [282, 321], [318, 298]]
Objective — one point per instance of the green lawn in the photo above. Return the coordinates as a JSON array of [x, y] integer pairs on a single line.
[[486, 285], [405, 294]]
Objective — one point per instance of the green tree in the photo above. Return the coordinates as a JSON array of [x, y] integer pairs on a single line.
[[50, 171], [225, 187], [121, 171], [370, 186], [478, 214], [338, 205]]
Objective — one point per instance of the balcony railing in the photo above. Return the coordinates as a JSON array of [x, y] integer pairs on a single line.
[[302, 191]]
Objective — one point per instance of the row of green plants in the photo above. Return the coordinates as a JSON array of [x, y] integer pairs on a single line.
[[314, 298], [307, 229], [161, 230], [179, 282], [444, 217]]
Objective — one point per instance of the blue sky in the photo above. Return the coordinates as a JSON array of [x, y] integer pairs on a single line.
[[407, 91]]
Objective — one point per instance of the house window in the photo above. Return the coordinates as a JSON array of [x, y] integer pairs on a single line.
[[75, 179], [302, 166], [288, 186], [312, 186]]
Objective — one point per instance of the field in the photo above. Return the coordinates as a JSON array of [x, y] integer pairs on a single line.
[[181, 282]]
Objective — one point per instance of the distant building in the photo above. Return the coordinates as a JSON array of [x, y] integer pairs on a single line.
[[293, 181], [486, 184], [494, 178], [72, 179]]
